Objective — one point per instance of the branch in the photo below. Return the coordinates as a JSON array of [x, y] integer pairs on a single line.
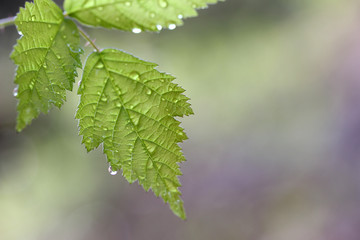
[[7, 22]]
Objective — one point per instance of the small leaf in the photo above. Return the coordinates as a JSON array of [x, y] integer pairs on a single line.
[[134, 15], [47, 56], [129, 107]]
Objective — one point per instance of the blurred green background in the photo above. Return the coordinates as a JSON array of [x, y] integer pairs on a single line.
[[274, 148]]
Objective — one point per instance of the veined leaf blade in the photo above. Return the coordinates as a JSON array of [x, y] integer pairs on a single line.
[[47, 55], [150, 15], [130, 108]]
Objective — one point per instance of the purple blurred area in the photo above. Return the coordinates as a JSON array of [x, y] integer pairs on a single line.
[[274, 145]]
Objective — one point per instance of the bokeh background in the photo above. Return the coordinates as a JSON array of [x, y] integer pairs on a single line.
[[274, 148]]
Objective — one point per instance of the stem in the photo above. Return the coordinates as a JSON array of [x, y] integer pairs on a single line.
[[7, 22], [87, 38]]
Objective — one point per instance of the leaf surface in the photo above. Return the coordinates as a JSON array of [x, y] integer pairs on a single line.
[[130, 108], [47, 55], [134, 15]]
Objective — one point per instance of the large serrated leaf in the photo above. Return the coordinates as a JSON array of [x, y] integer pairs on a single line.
[[150, 15], [47, 56], [129, 107]]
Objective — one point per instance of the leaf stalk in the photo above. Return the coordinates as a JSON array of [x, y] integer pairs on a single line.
[[87, 38]]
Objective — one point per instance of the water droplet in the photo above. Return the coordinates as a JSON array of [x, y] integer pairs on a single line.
[[172, 26], [180, 16], [45, 66], [163, 3], [105, 128], [21, 34], [31, 85], [21, 23], [128, 3], [98, 93], [104, 98], [148, 92], [112, 173], [47, 89], [33, 18], [159, 27], [100, 8], [99, 65], [162, 99], [118, 104], [49, 26], [118, 91], [134, 75], [152, 14], [58, 56], [136, 30], [64, 36], [15, 91], [131, 107]]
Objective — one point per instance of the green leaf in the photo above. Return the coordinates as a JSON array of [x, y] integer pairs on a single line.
[[47, 56], [135, 15], [129, 107]]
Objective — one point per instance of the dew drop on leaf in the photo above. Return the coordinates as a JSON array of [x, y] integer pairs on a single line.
[[172, 26], [134, 75], [113, 173], [159, 27], [49, 25], [152, 14], [180, 16], [99, 65], [15, 91], [163, 3], [150, 165], [136, 30], [148, 92], [104, 98]]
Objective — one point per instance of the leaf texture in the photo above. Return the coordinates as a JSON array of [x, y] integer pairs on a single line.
[[129, 107], [47, 55], [134, 15]]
